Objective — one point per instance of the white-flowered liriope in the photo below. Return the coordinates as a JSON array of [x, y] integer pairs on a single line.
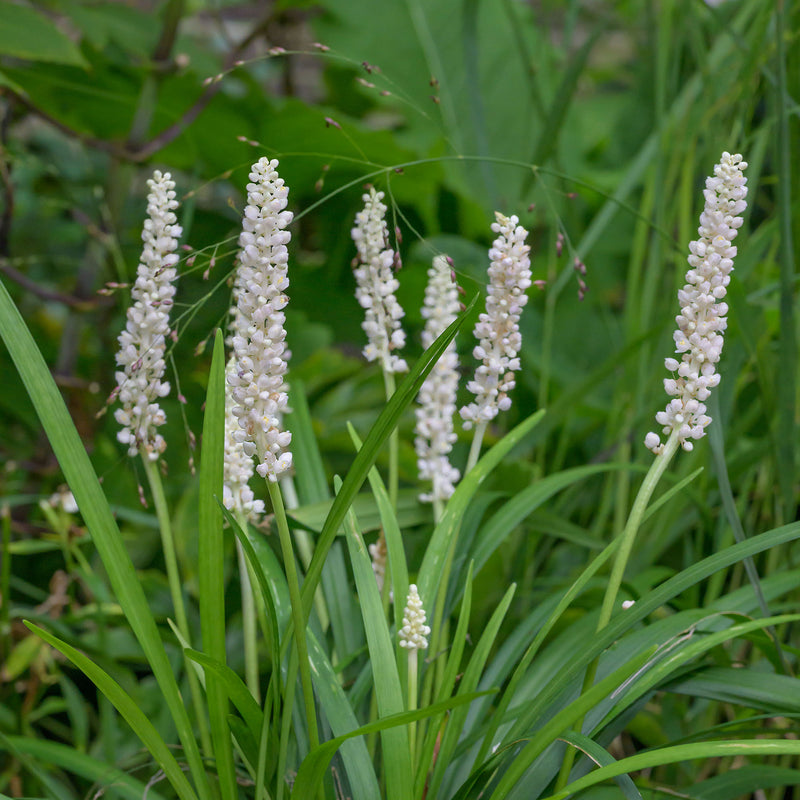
[[497, 330], [413, 635], [702, 321], [259, 344], [238, 466], [142, 344], [437, 397], [376, 285]]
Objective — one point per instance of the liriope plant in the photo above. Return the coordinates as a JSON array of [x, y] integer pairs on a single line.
[[484, 719]]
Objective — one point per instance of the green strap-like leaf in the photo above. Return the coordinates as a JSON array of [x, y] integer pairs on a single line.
[[129, 710]]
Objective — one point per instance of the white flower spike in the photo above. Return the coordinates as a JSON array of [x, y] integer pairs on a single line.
[[497, 330], [702, 322], [143, 342], [259, 345], [437, 397], [413, 635], [376, 285]]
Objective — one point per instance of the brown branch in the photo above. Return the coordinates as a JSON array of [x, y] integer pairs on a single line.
[[79, 304]]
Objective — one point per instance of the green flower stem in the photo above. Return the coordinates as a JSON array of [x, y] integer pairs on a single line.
[[305, 548], [475, 449], [249, 621], [412, 701], [394, 443], [297, 610], [627, 538], [176, 590]]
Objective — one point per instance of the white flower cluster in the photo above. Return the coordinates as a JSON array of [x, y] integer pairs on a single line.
[[238, 467], [437, 397], [497, 330], [143, 342], [414, 631], [376, 285], [259, 345], [702, 322]]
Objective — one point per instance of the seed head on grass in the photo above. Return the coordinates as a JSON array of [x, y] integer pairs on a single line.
[[702, 322], [257, 380], [376, 285], [142, 344], [497, 330], [437, 397]]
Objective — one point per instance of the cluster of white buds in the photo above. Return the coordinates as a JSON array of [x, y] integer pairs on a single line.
[[142, 344], [259, 344], [238, 467], [437, 397], [376, 285], [702, 321], [497, 330], [414, 631]]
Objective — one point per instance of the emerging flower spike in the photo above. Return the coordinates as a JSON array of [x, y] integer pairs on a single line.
[[414, 631], [376, 285], [259, 346], [497, 330], [379, 553], [143, 342], [437, 397], [238, 467], [702, 322]]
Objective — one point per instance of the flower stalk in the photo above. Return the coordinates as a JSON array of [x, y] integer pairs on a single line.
[[497, 330], [375, 288]]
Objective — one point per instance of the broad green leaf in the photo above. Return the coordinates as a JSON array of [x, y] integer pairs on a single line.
[[24, 33]]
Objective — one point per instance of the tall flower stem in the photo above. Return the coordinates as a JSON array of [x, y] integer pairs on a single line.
[[394, 443], [176, 591], [627, 538], [475, 448], [297, 609], [305, 547], [412, 702], [249, 620]]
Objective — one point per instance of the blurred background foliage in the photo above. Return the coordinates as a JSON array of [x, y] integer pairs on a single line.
[[592, 121]]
